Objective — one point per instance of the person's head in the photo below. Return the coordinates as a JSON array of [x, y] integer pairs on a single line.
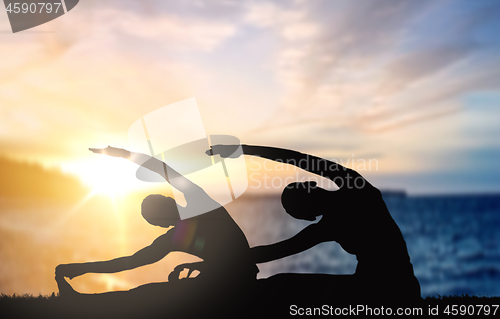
[[302, 200], [159, 210]]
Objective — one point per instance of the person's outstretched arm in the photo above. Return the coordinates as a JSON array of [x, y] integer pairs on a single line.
[[305, 239], [310, 163], [148, 255], [175, 179]]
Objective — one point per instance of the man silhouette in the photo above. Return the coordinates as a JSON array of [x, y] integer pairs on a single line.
[[355, 216], [213, 236]]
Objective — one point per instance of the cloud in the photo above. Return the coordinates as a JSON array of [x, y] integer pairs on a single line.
[[178, 33], [270, 14], [408, 68], [370, 64], [323, 76], [105, 65]]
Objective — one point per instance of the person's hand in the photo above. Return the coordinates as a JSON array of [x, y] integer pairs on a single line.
[[174, 275], [225, 151], [111, 151], [70, 270]]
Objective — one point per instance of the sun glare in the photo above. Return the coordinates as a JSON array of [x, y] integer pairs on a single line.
[[108, 176]]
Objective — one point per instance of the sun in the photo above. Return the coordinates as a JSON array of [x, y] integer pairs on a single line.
[[107, 175]]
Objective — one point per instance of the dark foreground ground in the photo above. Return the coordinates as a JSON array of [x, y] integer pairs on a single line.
[[28, 306], [283, 295]]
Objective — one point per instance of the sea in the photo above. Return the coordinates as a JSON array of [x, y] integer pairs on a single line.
[[453, 240]]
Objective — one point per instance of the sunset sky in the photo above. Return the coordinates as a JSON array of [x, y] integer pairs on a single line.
[[413, 84]]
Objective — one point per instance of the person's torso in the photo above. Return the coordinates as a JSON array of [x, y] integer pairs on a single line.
[[218, 240]]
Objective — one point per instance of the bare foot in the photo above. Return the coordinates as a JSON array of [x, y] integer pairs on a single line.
[[65, 289]]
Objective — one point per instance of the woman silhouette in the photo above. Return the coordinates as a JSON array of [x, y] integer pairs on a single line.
[[213, 237], [355, 216]]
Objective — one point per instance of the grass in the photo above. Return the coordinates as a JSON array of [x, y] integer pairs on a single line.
[[53, 307], [29, 306]]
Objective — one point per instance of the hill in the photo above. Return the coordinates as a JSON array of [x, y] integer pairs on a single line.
[[22, 181]]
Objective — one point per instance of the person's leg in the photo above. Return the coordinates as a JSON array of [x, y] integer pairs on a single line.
[[387, 279], [309, 288], [150, 300], [152, 295], [65, 289], [186, 297]]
